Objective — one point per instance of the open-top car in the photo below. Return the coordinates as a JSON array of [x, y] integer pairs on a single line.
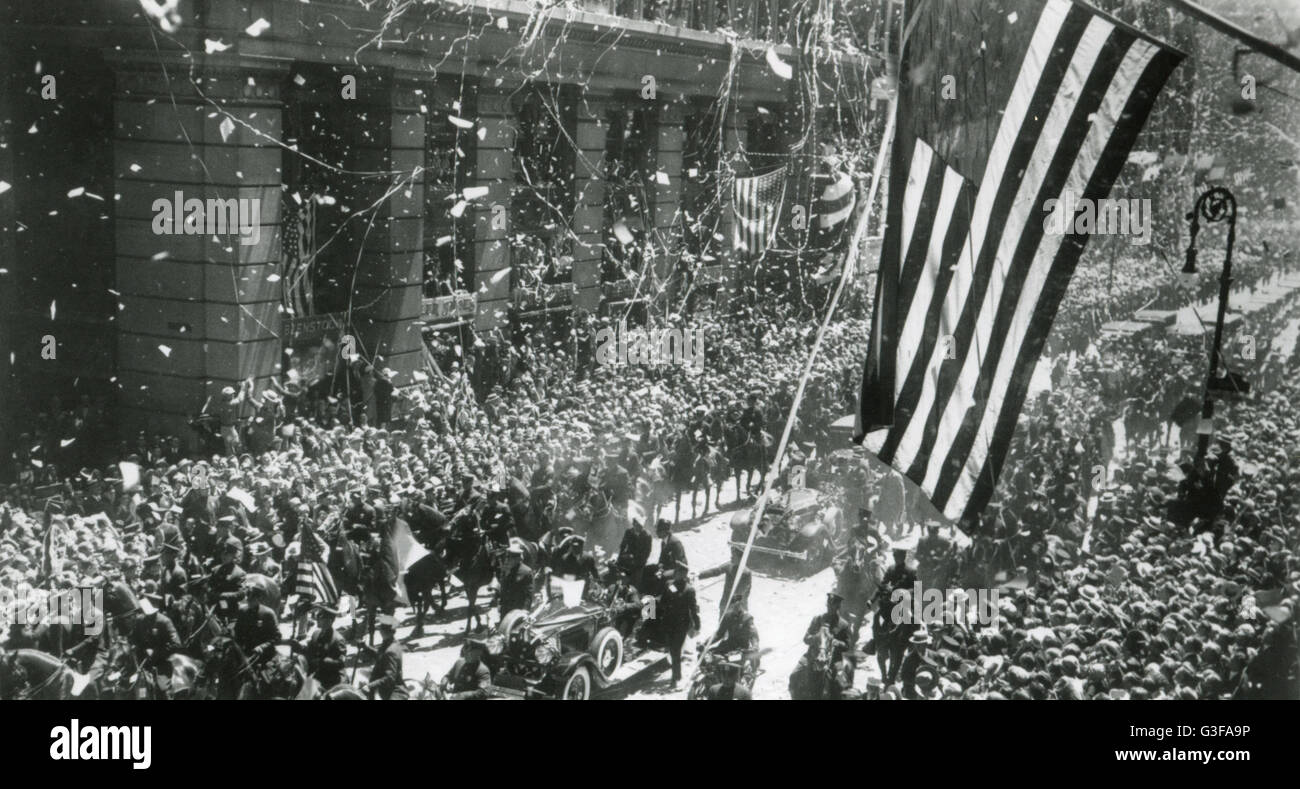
[[565, 649], [800, 525]]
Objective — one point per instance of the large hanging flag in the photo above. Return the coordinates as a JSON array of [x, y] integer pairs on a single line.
[[756, 201], [298, 250], [1037, 102]]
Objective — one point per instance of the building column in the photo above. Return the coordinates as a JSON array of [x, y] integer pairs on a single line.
[[390, 279], [494, 169], [198, 311], [589, 205], [734, 131], [668, 198]]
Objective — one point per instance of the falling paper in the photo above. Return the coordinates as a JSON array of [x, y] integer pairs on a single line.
[[475, 192], [460, 122], [503, 23], [662, 178], [53, 309], [257, 28], [458, 209], [779, 66], [210, 46], [4, 187], [130, 476], [78, 192], [226, 128], [622, 233], [166, 351]]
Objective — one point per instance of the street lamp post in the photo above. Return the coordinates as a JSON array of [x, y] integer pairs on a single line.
[[1216, 205]]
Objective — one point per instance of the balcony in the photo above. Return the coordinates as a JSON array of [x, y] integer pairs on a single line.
[[543, 297], [448, 309], [758, 19]]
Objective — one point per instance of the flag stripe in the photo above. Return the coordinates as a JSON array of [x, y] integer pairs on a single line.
[[1074, 155], [1060, 28], [1011, 254], [990, 448]]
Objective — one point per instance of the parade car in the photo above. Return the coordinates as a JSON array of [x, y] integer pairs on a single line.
[[799, 527], [566, 649]]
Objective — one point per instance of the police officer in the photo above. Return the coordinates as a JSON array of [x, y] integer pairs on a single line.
[[386, 676], [325, 650], [825, 671], [154, 639], [225, 586], [738, 633], [256, 628]]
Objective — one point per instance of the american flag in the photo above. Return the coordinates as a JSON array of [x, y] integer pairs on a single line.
[[313, 579], [1049, 99], [756, 201], [298, 249]]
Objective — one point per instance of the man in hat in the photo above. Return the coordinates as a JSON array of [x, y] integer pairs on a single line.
[[672, 554], [516, 581], [892, 637], [226, 584], [679, 614], [386, 680], [154, 639], [824, 671], [859, 570], [738, 633], [634, 551], [173, 581], [325, 650], [469, 678], [256, 627], [918, 643]]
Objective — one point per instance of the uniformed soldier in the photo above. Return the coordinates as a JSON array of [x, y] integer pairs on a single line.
[[225, 586], [173, 581], [386, 680], [730, 688], [325, 650], [469, 678], [892, 637], [825, 671], [154, 639], [256, 628], [738, 633]]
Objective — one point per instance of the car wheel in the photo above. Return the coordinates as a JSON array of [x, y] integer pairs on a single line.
[[607, 649], [577, 686]]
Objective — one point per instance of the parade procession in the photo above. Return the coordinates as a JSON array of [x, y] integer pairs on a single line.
[[650, 349]]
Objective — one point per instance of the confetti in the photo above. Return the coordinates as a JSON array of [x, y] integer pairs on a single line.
[[166, 351], [78, 192], [460, 122], [53, 309], [662, 178], [4, 187], [779, 66], [258, 28], [475, 192], [226, 128], [459, 209], [210, 46]]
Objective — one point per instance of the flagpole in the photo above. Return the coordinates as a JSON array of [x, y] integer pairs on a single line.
[[1265, 48], [855, 245]]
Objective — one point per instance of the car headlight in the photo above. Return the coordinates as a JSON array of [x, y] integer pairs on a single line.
[[545, 653]]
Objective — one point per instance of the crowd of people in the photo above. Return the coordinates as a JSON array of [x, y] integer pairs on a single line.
[[1128, 567]]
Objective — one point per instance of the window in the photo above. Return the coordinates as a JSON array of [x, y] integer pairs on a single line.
[[629, 165], [542, 199], [448, 168]]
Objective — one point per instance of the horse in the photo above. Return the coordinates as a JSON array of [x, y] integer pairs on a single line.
[[33, 674], [196, 624], [747, 454], [690, 473], [469, 555], [421, 577]]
